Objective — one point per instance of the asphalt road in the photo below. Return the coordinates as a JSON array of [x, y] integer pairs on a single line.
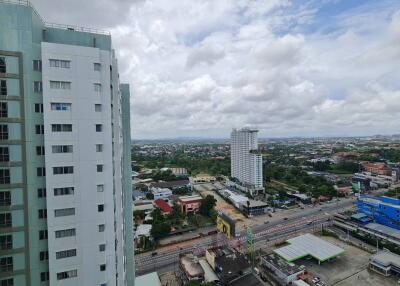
[[265, 234]]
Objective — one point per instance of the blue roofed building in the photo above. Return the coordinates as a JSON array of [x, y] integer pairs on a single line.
[[383, 210]]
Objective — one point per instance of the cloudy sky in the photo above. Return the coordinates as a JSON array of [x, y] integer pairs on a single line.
[[290, 68]]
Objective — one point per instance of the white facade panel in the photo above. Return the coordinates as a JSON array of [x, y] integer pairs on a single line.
[[84, 159]]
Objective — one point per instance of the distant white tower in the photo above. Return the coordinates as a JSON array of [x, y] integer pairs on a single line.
[[246, 160]]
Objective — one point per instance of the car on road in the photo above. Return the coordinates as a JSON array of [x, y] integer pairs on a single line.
[[285, 218], [266, 222], [154, 254], [309, 222]]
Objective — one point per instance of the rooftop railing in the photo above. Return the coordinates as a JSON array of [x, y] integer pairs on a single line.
[[55, 25]]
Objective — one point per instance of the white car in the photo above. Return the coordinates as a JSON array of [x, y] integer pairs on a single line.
[[316, 280]]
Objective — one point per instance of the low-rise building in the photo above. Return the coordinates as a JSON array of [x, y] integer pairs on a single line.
[[171, 184], [189, 204], [385, 263], [202, 178], [377, 168], [150, 279], [161, 193], [383, 210], [163, 206], [253, 208], [283, 271], [191, 267], [143, 205], [303, 198], [143, 230], [236, 199], [229, 265]]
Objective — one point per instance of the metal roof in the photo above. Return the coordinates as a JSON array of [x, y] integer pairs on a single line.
[[383, 229], [386, 258], [308, 245], [150, 279]]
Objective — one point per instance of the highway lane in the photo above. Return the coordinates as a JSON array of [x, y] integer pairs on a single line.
[[277, 226], [170, 262]]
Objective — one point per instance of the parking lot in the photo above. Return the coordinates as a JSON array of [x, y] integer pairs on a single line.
[[350, 269]]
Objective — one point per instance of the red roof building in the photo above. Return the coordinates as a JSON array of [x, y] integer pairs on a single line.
[[163, 206]]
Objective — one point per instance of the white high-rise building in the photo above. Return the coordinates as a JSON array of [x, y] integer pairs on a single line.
[[246, 161], [65, 162]]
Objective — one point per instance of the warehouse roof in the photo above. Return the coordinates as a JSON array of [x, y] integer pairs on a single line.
[[308, 245]]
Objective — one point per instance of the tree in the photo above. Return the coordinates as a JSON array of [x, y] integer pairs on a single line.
[[160, 230], [207, 204], [139, 214], [157, 215]]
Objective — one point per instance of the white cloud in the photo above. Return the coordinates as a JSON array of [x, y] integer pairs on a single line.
[[199, 68]]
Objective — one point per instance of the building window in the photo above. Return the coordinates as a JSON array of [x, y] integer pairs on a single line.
[[100, 188], [5, 219], [42, 213], [99, 168], [44, 255], [39, 107], [60, 106], [5, 176], [60, 84], [64, 212], [5, 198], [44, 276], [3, 87], [65, 253], [102, 267], [65, 233], [63, 170], [102, 247], [97, 87], [102, 227], [6, 264], [6, 242], [99, 127], [39, 129], [3, 132], [41, 192], [41, 171], [61, 127], [3, 111], [4, 154], [97, 107], [40, 150], [100, 208], [61, 148], [7, 282], [64, 191], [97, 66], [37, 86], [37, 65], [43, 234], [60, 63], [67, 274], [3, 68], [99, 147]]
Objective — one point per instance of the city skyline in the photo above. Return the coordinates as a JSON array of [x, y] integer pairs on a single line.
[[290, 68]]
